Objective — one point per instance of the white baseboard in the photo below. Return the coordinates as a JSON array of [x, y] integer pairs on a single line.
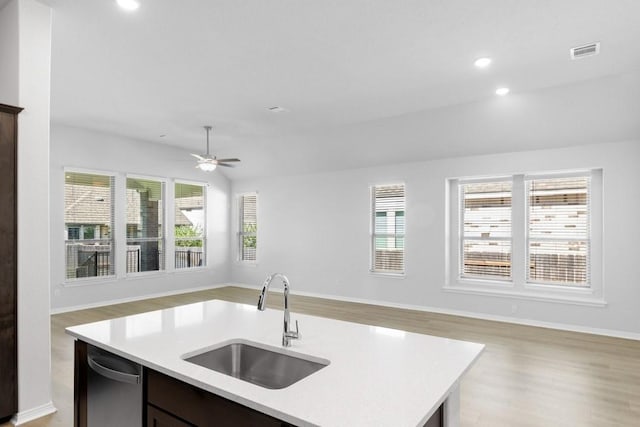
[[473, 315], [24, 417], [136, 298]]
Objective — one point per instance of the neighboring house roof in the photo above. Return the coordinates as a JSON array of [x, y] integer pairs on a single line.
[[87, 204], [92, 205], [184, 204]]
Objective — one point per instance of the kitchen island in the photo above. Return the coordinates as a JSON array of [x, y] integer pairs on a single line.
[[375, 376]]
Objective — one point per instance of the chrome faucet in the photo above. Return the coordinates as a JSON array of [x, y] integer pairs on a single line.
[[287, 334]]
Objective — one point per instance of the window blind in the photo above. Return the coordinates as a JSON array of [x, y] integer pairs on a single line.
[[486, 230], [145, 211], [88, 217], [248, 227], [190, 225], [558, 230], [388, 228]]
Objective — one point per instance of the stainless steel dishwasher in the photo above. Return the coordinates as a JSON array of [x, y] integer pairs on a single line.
[[114, 390]]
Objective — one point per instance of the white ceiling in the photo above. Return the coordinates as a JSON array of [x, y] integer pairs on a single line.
[[366, 81]]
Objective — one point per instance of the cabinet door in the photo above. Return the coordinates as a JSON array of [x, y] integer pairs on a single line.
[[80, 384], [8, 262], [158, 418], [199, 407]]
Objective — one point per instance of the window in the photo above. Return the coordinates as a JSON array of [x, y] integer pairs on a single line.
[[88, 217], [91, 201], [73, 233], [486, 230], [388, 228], [558, 231], [145, 215], [537, 235], [248, 227], [190, 225]]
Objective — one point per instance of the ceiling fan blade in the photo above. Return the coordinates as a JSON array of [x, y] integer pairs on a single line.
[[197, 156], [228, 160], [226, 165]]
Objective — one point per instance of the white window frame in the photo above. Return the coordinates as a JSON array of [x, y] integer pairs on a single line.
[[518, 287], [174, 240], [165, 237], [115, 259], [119, 235], [372, 233], [461, 235], [240, 234]]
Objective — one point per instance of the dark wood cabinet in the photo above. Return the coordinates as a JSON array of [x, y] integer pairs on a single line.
[[80, 384], [8, 262], [158, 418], [198, 407]]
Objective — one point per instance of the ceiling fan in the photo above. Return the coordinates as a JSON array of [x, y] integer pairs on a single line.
[[208, 162]]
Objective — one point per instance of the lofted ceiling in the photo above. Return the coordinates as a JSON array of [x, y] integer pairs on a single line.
[[364, 81]]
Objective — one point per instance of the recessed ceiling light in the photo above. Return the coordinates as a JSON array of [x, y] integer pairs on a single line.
[[128, 4], [502, 91], [482, 62]]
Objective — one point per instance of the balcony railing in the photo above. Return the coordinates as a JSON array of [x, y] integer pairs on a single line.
[[96, 264], [96, 260], [189, 258]]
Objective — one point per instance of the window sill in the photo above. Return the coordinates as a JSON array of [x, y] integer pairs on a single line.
[[529, 292], [388, 275], [89, 281]]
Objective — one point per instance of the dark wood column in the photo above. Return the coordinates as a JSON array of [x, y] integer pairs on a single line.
[[8, 262]]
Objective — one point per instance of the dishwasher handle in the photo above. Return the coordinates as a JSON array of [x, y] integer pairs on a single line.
[[111, 373]]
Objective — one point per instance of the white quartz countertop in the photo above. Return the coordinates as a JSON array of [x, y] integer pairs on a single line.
[[377, 376]]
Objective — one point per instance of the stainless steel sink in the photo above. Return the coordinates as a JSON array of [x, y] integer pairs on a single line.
[[257, 364]]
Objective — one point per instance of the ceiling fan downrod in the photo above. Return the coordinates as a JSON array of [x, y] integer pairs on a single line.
[[208, 129]]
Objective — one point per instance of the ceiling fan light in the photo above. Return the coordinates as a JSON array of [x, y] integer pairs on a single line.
[[207, 167]]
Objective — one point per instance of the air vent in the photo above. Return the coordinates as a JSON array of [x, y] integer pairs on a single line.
[[584, 51]]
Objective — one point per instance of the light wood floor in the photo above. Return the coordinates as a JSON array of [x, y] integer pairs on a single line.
[[526, 377]]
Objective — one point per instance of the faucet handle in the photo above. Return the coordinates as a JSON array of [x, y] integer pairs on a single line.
[[298, 335], [295, 335]]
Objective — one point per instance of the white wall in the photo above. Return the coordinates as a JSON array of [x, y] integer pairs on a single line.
[[78, 148], [9, 53], [25, 52], [315, 229]]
